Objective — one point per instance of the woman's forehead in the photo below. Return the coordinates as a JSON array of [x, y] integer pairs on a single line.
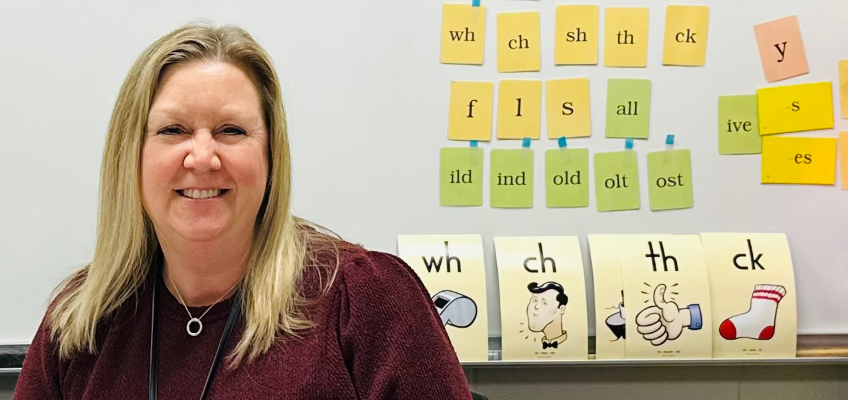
[[206, 83], [204, 89], [181, 110]]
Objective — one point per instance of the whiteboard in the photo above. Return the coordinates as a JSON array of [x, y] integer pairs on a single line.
[[368, 102]]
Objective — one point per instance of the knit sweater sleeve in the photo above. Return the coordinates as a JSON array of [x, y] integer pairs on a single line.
[[40, 374], [392, 339]]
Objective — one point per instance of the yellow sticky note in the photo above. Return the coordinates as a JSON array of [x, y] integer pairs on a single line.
[[843, 87], [799, 160], [576, 40], [463, 34], [795, 108], [519, 47], [686, 29], [843, 159], [568, 111], [626, 37], [519, 109], [470, 110]]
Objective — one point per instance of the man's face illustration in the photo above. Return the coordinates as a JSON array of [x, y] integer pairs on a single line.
[[543, 309]]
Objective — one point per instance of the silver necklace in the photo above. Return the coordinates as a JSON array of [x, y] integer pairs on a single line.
[[192, 318]]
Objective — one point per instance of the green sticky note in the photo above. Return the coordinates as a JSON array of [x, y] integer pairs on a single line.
[[461, 177], [617, 181], [670, 179], [567, 177], [738, 130], [628, 108], [511, 178]]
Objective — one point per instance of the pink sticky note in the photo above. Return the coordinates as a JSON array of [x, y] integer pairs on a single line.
[[781, 49]]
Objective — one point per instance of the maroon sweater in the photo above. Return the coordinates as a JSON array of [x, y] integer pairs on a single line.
[[377, 336]]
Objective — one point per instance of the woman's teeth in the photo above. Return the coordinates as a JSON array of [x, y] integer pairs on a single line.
[[200, 194]]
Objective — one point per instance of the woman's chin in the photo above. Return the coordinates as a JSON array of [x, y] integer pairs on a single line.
[[200, 233]]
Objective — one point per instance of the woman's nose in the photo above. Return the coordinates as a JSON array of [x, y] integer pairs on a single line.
[[203, 155]]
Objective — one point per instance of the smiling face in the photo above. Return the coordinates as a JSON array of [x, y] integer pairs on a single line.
[[542, 310], [204, 164]]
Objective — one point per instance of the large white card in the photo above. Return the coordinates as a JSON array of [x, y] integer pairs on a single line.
[[453, 270], [542, 298], [610, 309], [753, 295], [666, 288]]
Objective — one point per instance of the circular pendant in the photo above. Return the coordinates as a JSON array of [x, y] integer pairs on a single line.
[[199, 327]]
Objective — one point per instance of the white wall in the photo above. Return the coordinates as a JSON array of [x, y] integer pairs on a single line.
[[367, 100]]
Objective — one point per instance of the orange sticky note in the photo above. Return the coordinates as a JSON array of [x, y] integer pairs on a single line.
[[781, 49], [843, 87], [843, 159]]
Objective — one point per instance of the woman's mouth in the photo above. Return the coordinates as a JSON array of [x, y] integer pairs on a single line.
[[201, 194]]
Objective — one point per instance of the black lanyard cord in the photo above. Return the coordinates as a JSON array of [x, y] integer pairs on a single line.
[[153, 379]]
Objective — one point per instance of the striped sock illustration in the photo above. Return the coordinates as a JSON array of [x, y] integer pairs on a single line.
[[758, 322]]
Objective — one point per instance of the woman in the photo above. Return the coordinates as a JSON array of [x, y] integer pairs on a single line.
[[203, 285]]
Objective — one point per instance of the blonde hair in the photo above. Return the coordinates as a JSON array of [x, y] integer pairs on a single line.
[[126, 245]]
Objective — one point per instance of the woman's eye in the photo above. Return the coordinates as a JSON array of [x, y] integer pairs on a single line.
[[171, 131], [231, 130]]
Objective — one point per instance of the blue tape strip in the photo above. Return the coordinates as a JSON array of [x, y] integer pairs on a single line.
[[628, 144], [475, 3], [474, 144], [562, 142], [525, 143], [669, 139]]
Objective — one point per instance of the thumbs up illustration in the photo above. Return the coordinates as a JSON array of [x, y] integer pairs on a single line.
[[665, 320]]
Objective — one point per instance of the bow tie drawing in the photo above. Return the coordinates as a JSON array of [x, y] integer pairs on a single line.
[[545, 345]]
